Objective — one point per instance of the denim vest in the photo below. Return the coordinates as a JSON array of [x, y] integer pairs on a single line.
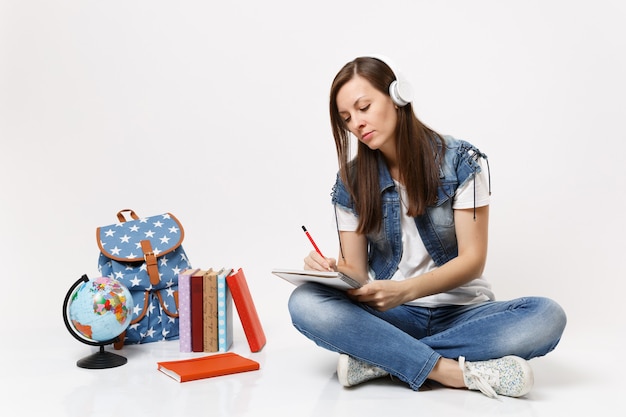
[[435, 226]]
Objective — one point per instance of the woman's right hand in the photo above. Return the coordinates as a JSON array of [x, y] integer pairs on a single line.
[[314, 261]]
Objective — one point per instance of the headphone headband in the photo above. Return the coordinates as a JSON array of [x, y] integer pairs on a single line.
[[400, 89]]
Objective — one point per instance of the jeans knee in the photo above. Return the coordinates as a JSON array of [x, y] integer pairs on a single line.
[[317, 309], [295, 303], [304, 305], [549, 329], [555, 316]]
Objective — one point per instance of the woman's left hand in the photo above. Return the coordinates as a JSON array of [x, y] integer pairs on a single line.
[[381, 295]]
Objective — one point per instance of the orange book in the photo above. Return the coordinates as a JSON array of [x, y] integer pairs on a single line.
[[207, 366], [247, 311]]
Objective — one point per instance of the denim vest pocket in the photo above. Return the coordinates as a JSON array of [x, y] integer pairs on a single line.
[[436, 227], [441, 214]]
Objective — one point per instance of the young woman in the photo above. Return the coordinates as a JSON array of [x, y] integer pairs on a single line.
[[412, 212]]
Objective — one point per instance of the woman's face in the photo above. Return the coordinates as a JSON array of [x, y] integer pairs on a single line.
[[369, 114]]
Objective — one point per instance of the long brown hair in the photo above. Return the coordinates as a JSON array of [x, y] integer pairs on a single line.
[[416, 145]]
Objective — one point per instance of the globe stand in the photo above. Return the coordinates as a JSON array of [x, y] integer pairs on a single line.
[[101, 359]]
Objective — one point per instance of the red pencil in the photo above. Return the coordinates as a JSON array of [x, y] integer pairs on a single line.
[[313, 242]]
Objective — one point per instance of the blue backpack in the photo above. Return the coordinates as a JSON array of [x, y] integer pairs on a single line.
[[146, 255]]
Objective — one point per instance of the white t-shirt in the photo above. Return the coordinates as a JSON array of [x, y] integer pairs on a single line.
[[415, 258]]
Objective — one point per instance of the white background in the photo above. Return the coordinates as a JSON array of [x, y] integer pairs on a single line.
[[217, 113]]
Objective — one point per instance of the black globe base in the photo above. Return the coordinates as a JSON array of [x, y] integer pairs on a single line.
[[101, 360]]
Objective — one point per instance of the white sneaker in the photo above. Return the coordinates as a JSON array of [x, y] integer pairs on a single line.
[[351, 371], [509, 375]]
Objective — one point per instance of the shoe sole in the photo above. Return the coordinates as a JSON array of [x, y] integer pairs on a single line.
[[342, 370]]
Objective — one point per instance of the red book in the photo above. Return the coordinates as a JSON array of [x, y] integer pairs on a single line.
[[207, 366], [197, 311], [247, 311]]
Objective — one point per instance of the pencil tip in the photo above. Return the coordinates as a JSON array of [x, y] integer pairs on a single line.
[[304, 228]]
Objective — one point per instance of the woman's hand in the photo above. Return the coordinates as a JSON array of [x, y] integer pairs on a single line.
[[314, 261], [382, 295]]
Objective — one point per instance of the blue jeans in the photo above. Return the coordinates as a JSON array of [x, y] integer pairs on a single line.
[[407, 341]]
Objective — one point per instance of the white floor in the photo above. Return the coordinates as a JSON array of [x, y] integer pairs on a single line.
[[40, 377]]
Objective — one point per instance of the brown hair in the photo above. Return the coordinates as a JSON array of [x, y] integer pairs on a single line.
[[416, 145]]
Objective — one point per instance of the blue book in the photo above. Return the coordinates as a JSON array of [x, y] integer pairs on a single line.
[[224, 312]]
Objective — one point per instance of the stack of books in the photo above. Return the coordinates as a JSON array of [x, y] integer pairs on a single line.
[[205, 306]]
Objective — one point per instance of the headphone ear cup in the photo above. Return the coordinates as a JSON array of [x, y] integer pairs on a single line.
[[401, 92]]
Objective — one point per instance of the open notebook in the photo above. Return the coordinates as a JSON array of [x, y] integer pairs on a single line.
[[332, 279]]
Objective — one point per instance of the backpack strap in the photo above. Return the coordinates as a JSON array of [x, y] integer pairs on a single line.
[[120, 342], [151, 262]]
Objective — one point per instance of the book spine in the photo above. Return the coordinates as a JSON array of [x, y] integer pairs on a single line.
[[197, 328], [210, 312], [224, 313], [247, 311], [184, 310]]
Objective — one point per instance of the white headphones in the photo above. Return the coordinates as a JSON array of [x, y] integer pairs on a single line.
[[400, 89]]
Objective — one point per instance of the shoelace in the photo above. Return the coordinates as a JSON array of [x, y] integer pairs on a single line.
[[482, 380]]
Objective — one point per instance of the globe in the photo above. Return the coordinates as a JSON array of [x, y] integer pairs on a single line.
[[97, 311], [101, 309]]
